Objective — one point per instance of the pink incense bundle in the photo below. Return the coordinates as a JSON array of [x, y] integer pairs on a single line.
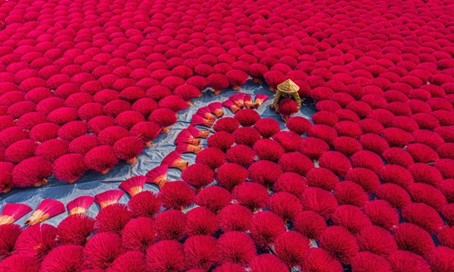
[[6, 179], [133, 185], [200, 120], [113, 218], [248, 101], [138, 234], [83, 144], [13, 212], [200, 252], [198, 82], [98, 123], [213, 198], [8, 237], [101, 250], [259, 100], [267, 262], [235, 217], [174, 160], [110, 135], [130, 261], [170, 224], [158, 175], [231, 106], [216, 109], [108, 198], [211, 156], [48, 208], [265, 228], [257, 70], [166, 255], [247, 117], [197, 132], [238, 99], [201, 221], [227, 124], [205, 112], [20, 150], [79, 205], [20, 263], [129, 118], [64, 258], [198, 175], [35, 241], [273, 78], [188, 148], [186, 137], [43, 132], [237, 247], [145, 204], [51, 149]]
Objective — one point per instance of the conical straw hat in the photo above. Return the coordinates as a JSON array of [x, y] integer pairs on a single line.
[[288, 86]]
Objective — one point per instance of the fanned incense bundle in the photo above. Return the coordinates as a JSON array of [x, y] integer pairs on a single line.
[[247, 101], [186, 137], [80, 204], [216, 109], [147, 131], [174, 160], [133, 185], [13, 212], [238, 99], [199, 120], [158, 175], [197, 132], [259, 100], [237, 78], [205, 112], [128, 148], [48, 208], [108, 198], [230, 105], [164, 118], [188, 148]]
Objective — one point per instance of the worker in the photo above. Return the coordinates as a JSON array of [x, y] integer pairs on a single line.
[[286, 89]]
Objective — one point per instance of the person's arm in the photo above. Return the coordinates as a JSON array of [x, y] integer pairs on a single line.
[[297, 99], [275, 104]]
